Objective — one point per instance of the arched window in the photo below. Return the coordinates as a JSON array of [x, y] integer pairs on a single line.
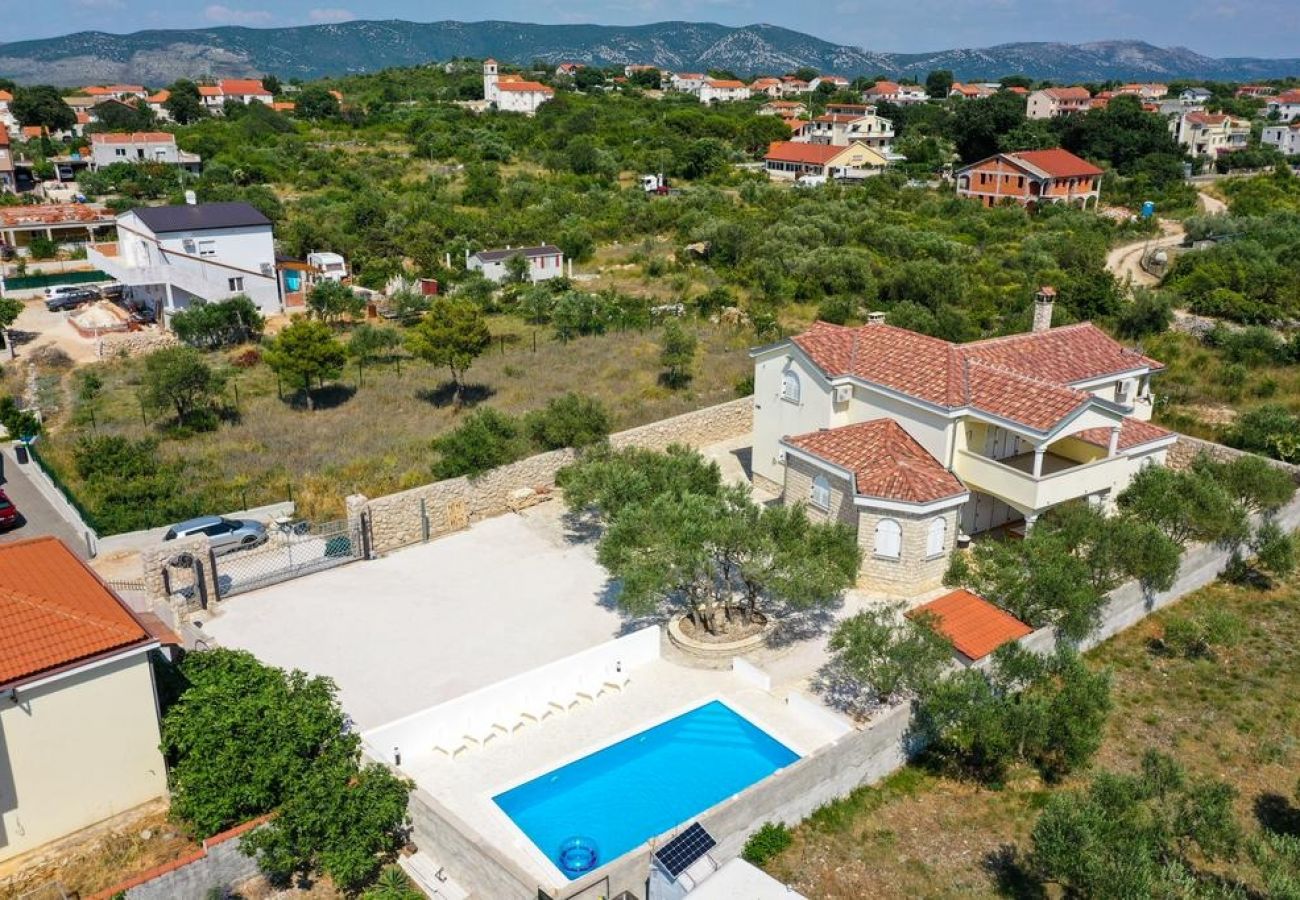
[[889, 539], [790, 387], [937, 538], [820, 495]]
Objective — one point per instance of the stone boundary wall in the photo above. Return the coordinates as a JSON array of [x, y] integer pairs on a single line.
[[218, 867], [432, 510], [1188, 448], [133, 343]]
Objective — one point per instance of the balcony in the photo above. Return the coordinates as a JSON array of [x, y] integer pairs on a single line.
[[205, 281], [1013, 481]]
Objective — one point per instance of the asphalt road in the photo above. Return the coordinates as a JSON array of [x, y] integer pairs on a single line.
[[40, 518]]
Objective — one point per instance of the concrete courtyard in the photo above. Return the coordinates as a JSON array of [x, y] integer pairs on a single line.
[[434, 621]]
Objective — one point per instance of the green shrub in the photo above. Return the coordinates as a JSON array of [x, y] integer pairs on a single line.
[[572, 420], [486, 439], [1199, 635], [769, 841]]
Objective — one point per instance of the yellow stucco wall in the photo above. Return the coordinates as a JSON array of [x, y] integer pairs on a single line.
[[77, 751]]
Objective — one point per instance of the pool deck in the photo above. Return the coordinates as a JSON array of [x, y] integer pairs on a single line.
[[659, 691]]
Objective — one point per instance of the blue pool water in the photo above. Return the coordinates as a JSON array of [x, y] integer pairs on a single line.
[[620, 796]]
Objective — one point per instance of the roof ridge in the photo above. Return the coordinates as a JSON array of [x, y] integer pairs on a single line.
[[1032, 379]]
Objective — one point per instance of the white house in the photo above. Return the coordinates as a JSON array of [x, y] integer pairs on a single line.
[[1209, 134], [140, 146], [1285, 138], [7, 183], [78, 706], [8, 124], [911, 439], [173, 256], [716, 90], [687, 82], [157, 105], [1195, 95], [845, 124], [236, 90], [511, 93], [544, 262], [1049, 103], [1286, 106]]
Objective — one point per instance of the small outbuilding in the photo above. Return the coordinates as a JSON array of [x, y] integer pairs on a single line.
[[973, 625]]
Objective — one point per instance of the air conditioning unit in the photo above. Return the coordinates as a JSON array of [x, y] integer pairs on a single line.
[[780, 456], [268, 270], [843, 393]]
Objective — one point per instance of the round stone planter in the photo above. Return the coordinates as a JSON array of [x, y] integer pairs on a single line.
[[716, 650]]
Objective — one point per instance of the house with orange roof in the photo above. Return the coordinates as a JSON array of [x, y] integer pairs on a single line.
[[1031, 178], [797, 161], [1147, 91], [722, 90], [687, 82], [7, 121], [1050, 103], [845, 124], [1255, 90], [960, 91], [158, 105], [1285, 106], [140, 147], [121, 92], [1210, 134], [214, 97], [78, 704], [511, 93], [769, 86], [893, 92], [912, 440]]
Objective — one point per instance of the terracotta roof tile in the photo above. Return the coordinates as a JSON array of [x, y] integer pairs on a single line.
[[135, 137], [1132, 433], [240, 87], [1057, 162], [528, 86], [975, 626], [54, 611], [792, 151], [1025, 377], [885, 460]]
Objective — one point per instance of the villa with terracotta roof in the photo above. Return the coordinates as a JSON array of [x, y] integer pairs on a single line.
[[725, 90], [108, 148], [1049, 103], [511, 93], [1031, 178], [235, 90], [792, 161], [911, 440], [78, 707], [1284, 138], [1210, 134], [845, 124], [1285, 106]]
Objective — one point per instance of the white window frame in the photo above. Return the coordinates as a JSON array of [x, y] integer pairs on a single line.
[[936, 537], [819, 495], [207, 248], [236, 283], [791, 387], [889, 539]]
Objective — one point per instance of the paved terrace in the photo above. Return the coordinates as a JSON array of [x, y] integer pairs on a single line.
[[434, 621]]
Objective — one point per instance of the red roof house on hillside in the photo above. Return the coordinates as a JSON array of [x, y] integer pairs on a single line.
[[1031, 178]]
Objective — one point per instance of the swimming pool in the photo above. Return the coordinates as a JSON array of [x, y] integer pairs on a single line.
[[628, 792]]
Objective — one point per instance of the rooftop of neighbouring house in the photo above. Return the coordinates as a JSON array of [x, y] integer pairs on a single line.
[[725, 84], [242, 87], [200, 217], [55, 612], [534, 87], [812, 154], [1132, 433], [135, 137], [974, 626], [1068, 93], [53, 214], [887, 463], [498, 255], [1027, 378]]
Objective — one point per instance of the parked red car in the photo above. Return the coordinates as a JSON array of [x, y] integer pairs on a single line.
[[8, 512]]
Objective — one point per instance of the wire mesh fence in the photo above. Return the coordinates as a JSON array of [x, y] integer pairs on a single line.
[[292, 550]]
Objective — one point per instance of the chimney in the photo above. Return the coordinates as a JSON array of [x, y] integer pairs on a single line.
[[876, 318], [1043, 302]]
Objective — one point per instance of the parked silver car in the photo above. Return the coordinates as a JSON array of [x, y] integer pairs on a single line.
[[226, 535]]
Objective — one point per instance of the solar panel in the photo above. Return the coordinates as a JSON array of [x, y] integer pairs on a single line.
[[677, 855]]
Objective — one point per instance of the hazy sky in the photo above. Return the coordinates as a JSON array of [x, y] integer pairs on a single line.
[[1214, 27]]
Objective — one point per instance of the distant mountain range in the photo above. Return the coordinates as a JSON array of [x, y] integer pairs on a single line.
[[311, 51]]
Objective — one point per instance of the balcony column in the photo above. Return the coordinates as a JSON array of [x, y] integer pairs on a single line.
[[1038, 461], [1113, 449]]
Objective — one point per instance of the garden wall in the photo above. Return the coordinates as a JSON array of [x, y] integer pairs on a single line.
[[431, 510], [1188, 448], [215, 869]]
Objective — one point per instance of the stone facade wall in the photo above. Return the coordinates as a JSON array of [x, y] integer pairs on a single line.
[[476, 864], [431, 510], [915, 570], [134, 343], [799, 475], [154, 560]]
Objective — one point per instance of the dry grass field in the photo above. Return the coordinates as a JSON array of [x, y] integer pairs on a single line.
[[1235, 718], [374, 437]]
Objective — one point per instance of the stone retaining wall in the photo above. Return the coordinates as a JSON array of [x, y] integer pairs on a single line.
[[214, 870], [431, 510], [1188, 448], [134, 343]]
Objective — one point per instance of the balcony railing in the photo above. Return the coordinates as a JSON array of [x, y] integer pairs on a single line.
[[1068, 481]]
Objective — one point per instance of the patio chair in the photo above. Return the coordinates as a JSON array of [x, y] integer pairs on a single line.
[[615, 678], [535, 707]]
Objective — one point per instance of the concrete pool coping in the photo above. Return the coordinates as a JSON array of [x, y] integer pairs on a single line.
[[466, 786]]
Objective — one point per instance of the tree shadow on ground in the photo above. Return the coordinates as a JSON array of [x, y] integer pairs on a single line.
[[582, 527], [1277, 814], [608, 599], [444, 395], [1012, 874], [842, 692], [794, 624], [331, 396]]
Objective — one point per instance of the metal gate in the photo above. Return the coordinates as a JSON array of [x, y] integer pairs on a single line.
[[182, 579], [291, 551]]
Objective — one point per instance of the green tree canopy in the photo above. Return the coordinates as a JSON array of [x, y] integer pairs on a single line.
[[183, 102], [179, 379], [42, 105], [453, 333], [305, 354], [889, 654]]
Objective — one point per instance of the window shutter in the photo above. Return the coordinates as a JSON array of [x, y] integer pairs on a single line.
[[937, 537], [889, 539]]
